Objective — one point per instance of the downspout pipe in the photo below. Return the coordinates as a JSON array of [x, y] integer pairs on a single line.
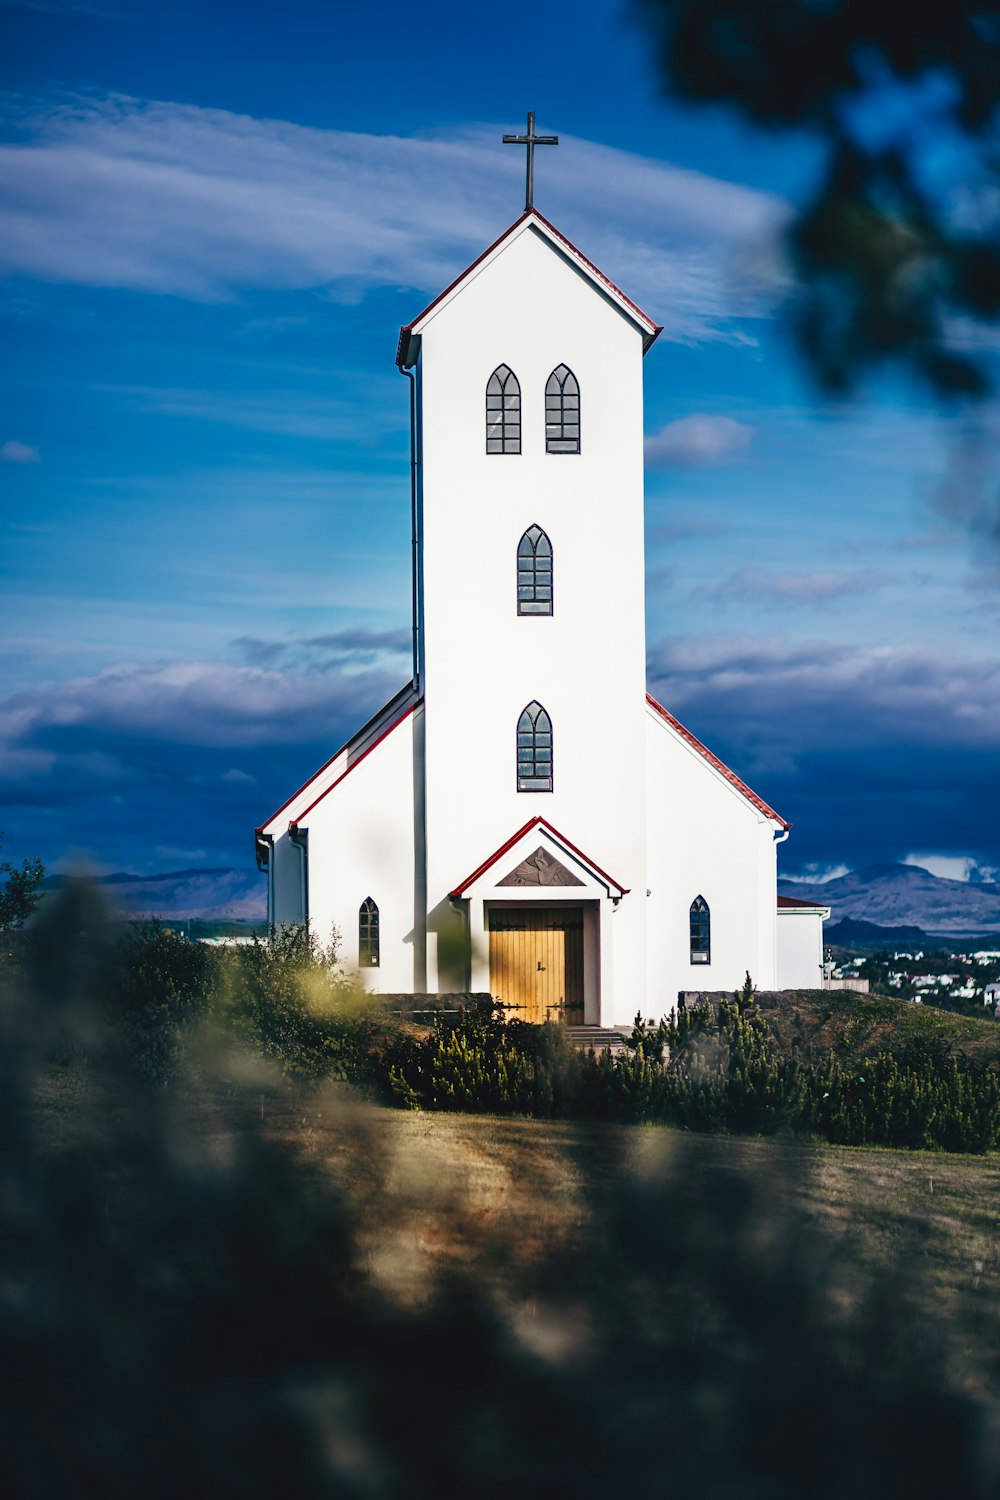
[[407, 355], [299, 838], [264, 851], [414, 527]]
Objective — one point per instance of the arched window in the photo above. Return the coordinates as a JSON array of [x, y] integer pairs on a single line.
[[368, 934], [534, 750], [503, 412], [534, 573], [562, 412], [701, 931]]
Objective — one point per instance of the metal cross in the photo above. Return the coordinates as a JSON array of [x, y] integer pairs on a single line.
[[531, 140]]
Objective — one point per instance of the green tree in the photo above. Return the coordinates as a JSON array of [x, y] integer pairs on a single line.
[[20, 891], [900, 242]]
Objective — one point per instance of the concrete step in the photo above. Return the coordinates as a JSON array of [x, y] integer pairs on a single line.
[[600, 1038]]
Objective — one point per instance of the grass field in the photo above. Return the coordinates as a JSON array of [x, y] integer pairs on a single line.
[[439, 1192], [816, 1023], [470, 1305]]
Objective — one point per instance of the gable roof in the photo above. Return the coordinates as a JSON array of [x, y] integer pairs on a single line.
[[560, 838], [351, 754], [793, 903], [716, 763], [530, 219]]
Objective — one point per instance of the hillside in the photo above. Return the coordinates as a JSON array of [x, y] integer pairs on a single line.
[[905, 896], [207, 895], [814, 1023]]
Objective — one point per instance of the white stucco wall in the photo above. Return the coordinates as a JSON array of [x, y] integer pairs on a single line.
[[800, 949], [532, 310], [705, 839], [362, 843]]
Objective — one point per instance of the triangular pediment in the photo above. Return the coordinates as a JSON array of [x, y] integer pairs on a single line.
[[534, 223], [540, 868]]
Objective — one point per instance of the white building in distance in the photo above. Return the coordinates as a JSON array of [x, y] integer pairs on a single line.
[[523, 818]]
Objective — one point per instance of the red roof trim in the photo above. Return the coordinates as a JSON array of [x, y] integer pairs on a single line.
[[719, 765], [514, 838], [655, 329], [789, 903], [409, 327], [346, 746], [354, 764]]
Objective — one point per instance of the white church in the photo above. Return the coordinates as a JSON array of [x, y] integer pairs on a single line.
[[523, 818]]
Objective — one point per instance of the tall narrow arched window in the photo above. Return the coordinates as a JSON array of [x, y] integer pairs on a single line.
[[701, 931], [368, 934], [534, 750], [503, 412], [534, 573], [562, 412]]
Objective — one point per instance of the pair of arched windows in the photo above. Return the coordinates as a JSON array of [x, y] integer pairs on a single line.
[[503, 411]]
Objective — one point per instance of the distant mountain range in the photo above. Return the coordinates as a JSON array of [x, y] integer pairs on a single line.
[[886, 895], [905, 896], [217, 895]]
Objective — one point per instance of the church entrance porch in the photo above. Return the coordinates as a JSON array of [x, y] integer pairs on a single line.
[[537, 961]]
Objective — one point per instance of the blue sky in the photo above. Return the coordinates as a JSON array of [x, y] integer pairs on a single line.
[[213, 220]]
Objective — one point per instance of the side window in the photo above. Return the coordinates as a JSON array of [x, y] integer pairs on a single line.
[[534, 750], [368, 934], [503, 412], [562, 412], [701, 931], [534, 573]]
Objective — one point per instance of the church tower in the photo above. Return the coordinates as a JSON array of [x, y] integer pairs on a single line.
[[522, 818], [529, 461]]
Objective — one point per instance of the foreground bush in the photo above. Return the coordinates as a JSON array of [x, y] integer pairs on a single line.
[[286, 996]]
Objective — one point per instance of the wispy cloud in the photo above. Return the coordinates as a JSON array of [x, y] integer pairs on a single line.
[[815, 874], [698, 441], [818, 587], [204, 203], [292, 412], [337, 650], [816, 692], [682, 526], [18, 453], [861, 747], [135, 757], [209, 704], [954, 867]]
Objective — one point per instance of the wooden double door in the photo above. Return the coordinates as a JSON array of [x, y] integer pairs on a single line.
[[536, 961]]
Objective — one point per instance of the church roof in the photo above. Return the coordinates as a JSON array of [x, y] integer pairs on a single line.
[[793, 903], [716, 763], [530, 219], [351, 754], [538, 822]]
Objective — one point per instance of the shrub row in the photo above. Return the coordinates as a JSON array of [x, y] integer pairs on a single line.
[[709, 1068]]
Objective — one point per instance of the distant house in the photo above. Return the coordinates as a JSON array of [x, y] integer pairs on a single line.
[[800, 943], [991, 995]]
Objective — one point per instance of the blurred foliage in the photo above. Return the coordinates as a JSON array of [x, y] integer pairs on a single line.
[[899, 248], [186, 1304], [286, 995]]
